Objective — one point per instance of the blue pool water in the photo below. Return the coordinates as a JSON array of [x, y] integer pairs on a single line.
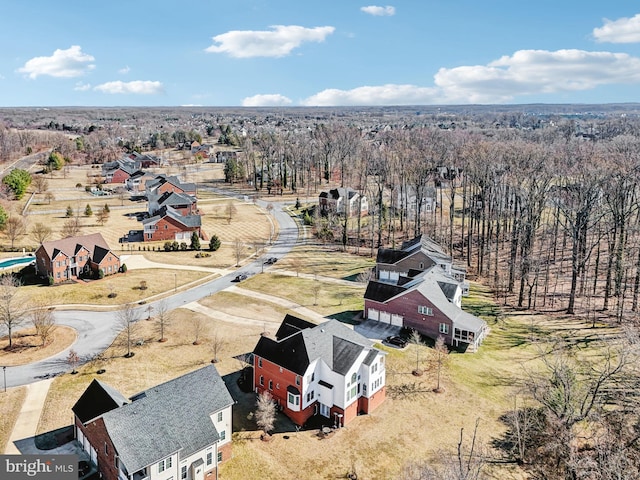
[[10, 262]]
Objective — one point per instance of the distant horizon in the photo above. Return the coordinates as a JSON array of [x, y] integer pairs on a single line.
[[286, 53]]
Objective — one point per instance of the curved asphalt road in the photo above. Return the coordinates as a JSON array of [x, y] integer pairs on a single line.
[[97, 330]]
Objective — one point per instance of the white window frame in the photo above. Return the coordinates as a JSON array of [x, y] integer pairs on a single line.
[[444, 329]]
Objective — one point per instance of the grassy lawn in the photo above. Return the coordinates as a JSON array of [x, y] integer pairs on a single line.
[[243, 306], [126, 286], [316, 259], [322, 297], [27, 346], [10, 404]]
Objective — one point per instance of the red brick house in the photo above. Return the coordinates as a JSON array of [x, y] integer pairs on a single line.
[[180, 429], [119, 171], [427, 301], [73, 257], [327, 370], [168, 224], [162, 184]]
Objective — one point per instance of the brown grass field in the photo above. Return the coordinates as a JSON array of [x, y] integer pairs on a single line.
[[27, 346]]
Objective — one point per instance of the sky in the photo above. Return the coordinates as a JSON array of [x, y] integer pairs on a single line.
[[317, 53]]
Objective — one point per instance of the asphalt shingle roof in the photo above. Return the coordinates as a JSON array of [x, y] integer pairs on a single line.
[[172, 417]]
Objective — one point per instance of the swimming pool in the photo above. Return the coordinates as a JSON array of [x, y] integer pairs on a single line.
[[10, 262]]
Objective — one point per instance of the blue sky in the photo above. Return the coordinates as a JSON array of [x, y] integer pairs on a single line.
[[317, 53]]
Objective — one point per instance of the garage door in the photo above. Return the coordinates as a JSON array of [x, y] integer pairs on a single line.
[[373, 314], [385, 317], [396, 320]]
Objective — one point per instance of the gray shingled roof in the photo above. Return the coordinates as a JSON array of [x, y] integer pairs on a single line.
[[332, 341], [171, 417]]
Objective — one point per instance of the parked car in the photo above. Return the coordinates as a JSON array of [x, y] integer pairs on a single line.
[[270, 261], [240, 277], [397, 341]]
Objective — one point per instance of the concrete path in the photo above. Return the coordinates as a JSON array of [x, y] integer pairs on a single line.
[[313, 276], [226, 317], [27, 423]]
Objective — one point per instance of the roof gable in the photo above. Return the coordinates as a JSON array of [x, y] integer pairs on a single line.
[[96, 400]]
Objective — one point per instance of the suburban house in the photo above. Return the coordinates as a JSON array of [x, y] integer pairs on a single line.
[[327, 370], [179, 202], [413, 203], [169, 224], [180, 429], [419, 254], [145, 160], [162, 184], [120, 170], [428, 301], [343, 201], [135, 182], [73, 257]]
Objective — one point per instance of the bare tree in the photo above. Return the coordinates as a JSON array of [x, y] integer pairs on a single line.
[[198, 328], [127, 317], [41, 232], [15, 227], [265, 414], [218, 343], [11, 312], [417, 342], [439, 357], [40, 183], [73, 359], [230, 210], [41, 316], [238, 250], [164, 316]]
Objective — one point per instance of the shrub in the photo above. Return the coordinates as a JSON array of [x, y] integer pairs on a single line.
[[214, 243], [167, 246], [101, 273], [123, 268], [183, 246], [50, 280]]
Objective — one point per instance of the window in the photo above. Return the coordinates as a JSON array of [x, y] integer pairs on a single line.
[[106, 448], [219, 416], [223, 435], [219, 457], [313, 376], [183, 472], [425, 310], [261, 380], [209, 458], [354, 377], [270, 384], [444, 328], [353, 391], [297, 379], [293, 399], [259, 362], [164, 464]]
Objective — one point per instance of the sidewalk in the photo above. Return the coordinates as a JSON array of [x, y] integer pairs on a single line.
[[26, 425]]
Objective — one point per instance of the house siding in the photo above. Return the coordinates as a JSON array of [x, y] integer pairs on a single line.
[[97, 436], [166, 229], [281, 380], [407, 306]]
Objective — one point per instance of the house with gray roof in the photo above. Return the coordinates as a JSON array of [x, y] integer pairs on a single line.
[[180, 429], [420, 253], [428, 301], [327, 369], [343, 201]]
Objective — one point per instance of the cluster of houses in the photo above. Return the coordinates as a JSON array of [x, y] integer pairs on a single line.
[[172, 204]]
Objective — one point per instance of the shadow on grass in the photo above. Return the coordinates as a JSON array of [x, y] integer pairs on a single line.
[[350, 317]]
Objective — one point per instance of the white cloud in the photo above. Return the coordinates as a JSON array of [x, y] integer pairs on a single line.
[[82, 87], [530, 72], [278, 42], [374, 95], [526, 72], [139, 87], [63, 63], [377, 11], [268, 100], [124, 70], [623, 30]]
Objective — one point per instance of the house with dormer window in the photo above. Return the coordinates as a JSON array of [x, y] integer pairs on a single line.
[[180, 429], [326, 369]]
